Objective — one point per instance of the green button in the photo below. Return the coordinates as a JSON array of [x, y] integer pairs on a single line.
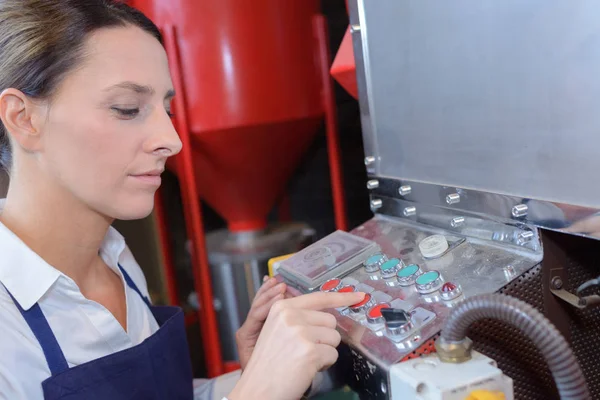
[[428, 277], [374, 259], [408, 271], [389, 264]]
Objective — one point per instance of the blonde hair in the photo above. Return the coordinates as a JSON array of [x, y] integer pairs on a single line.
[[42, 40]]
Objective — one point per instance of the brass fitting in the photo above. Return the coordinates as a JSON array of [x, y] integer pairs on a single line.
[[456, 353]]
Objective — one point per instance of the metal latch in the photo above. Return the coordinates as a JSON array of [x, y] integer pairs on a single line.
[[576, 300]]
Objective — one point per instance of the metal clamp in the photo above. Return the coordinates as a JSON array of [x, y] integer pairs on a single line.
[[575, 300]]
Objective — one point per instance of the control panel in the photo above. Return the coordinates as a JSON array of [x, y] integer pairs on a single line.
[[412, 276], [387, 312]]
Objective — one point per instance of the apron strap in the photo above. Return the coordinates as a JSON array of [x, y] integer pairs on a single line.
[[132, 285], [34, 317], [41, 329]]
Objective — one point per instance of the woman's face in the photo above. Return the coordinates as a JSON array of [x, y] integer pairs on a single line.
[[108, 132]]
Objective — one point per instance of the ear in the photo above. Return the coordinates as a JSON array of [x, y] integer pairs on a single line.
[[21, 118]]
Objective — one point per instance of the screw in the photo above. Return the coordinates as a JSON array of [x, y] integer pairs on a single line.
[[375, 204], [453, 198], [457, 221], [557, 283], [404, 190], [410, 211], [354, 28], [369, 160], [372, 184], [519, 210]]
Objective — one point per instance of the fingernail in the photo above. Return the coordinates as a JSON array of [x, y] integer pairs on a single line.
[[265, 278]]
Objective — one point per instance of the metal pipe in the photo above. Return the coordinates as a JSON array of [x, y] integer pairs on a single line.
[[165, 245], [565, 369], [193, 216], [333, 144]]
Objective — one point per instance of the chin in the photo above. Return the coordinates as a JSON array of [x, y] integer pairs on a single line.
[[132, 210]]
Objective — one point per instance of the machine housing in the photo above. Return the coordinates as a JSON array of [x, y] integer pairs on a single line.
[[480, 124]]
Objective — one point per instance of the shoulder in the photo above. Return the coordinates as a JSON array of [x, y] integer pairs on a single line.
[[22, 363]]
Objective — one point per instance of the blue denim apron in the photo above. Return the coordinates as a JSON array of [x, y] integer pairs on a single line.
[[158, 368]]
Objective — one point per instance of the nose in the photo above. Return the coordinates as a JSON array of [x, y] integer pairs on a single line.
[[164, 140]]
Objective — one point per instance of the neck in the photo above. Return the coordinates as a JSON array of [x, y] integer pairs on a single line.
[[63, 231]]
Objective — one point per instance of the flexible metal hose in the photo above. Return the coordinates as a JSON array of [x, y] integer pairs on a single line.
[[565, 369]]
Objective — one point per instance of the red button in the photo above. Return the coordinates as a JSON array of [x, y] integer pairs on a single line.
[[448, 287], [347, 289], [331, 284], [375, 312], [362, 302]]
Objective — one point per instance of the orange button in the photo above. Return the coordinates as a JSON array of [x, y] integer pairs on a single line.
[[362, 302], [347, 289], [331, 284], [375, 312]]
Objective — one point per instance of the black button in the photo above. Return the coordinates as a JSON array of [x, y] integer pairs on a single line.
[[395, 317]]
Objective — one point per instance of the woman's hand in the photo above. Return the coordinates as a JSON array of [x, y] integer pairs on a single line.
[[297, 341], [247, 335]]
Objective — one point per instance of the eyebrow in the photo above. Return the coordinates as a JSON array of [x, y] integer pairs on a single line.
[[141, 89]]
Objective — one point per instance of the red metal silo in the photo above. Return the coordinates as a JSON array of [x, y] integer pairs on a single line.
[[253, 94]]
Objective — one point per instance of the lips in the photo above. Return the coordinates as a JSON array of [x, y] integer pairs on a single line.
[[151, 177]]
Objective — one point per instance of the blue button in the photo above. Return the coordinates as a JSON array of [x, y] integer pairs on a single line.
[[408, 271], [374, 259], [389, 264], [428, 278]]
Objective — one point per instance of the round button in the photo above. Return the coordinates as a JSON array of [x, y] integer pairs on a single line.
[[450, 291], [398, 322], [433, 246], [347, 289], [374, 262], [331, 285], [390, 267], [363, 304], [374, 314], [407, 275], [429, 282]]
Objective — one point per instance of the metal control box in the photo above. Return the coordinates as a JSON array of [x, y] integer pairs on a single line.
[[480, 125]]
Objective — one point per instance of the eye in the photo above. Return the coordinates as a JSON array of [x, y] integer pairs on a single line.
[[170, 114], [127, 113]]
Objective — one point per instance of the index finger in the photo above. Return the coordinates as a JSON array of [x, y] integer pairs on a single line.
[[321, 300]]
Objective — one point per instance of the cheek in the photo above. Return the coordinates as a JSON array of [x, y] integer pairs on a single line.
[[91, 156]]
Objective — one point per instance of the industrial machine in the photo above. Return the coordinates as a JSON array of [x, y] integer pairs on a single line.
[[480, 125]]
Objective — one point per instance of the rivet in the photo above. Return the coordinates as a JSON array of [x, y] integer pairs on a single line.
[[369, 160], [457, 222], [405, 190], [372, 184], [453, 198], [410, 211], [354, 28], [519, 210]]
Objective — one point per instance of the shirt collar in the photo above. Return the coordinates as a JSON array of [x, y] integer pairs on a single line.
[[28, 277]]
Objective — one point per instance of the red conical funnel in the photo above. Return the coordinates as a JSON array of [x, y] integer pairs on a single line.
[[343, 69], [253, 93]]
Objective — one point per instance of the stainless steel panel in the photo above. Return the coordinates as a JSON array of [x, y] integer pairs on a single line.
[[496, 96], [484, 215]]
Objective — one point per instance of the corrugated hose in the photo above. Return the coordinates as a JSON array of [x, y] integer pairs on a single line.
[[563, 365]]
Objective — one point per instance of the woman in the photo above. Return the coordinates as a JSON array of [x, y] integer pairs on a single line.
[[85, 135]]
